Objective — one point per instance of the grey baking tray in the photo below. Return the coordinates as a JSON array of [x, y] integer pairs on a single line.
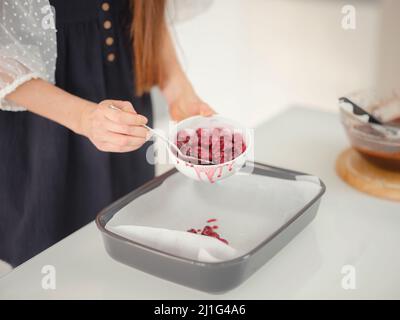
[[259, 213]]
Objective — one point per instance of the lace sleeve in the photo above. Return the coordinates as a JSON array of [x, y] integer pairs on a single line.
[[27, 45]]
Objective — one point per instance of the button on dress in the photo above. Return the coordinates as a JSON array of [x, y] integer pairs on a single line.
[[53, 181]]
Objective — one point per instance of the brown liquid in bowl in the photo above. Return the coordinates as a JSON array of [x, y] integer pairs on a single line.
[[394, 123], [386, 160], [390, 161]]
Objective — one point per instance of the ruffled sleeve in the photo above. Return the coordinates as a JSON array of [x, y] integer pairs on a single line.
[[28, 47]]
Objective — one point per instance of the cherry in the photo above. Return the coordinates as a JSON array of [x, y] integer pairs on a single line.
[[203, 154], [183, 136], [223, 240], [217, 144], [209, 231], [216, 157], [228, 155]]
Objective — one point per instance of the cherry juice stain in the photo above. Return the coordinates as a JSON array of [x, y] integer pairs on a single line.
[[209, 231]]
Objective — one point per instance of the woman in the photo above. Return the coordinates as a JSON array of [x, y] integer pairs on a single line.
[[68, 153]]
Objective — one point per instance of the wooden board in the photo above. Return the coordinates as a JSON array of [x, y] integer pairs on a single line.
[[364, 176]]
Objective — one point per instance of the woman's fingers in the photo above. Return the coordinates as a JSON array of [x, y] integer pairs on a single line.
[[116, 142], [119, 104], [126, 106], [122, 112], [123, 117], [135, 131], [109, 147], [123, 140], [116, 129], [205, 110], [182, 111]]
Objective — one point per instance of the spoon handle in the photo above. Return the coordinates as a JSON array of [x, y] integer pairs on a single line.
[[360, 111], [167, 141], [174, 146]]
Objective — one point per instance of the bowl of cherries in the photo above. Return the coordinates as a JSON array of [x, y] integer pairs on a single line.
[[215, 147]]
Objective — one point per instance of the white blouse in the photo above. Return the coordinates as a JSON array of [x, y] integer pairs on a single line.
[[27, 45], [28, 48]]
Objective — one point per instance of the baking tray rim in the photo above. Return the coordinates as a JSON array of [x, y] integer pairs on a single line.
[[157, 181]]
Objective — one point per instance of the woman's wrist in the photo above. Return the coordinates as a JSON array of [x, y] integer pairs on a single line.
[[80, 125], [178, 87], [51, 102], [183, 102]]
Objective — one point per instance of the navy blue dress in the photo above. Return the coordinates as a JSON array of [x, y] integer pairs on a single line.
[[53, 181]]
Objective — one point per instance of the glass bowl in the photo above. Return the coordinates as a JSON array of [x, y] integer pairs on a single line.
[[378, 144]]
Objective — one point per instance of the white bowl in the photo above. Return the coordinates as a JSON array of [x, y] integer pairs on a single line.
[[215, 172]]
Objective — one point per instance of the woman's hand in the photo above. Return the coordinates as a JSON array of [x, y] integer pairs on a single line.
[[183, 108], [183, 101], [108, 129], [114, 129]]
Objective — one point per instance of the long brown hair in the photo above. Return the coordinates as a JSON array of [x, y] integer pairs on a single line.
[[147, 31]]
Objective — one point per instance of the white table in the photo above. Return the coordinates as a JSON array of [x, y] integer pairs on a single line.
[[351, 228]]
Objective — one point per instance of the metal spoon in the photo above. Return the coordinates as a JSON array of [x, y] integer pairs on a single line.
[[175, 147], [170, 143], [361, 111]]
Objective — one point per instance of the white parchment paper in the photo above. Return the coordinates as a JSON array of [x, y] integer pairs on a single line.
[[248, 209]]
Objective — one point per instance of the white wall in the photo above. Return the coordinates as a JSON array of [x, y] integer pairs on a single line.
[[389, 47], [251, 58]]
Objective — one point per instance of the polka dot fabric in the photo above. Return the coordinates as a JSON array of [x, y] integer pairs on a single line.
[[28, 47]]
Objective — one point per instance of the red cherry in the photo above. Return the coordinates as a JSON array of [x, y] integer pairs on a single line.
[[216, 157], [237, 137], [227, 134], [217, 144], [203, 154], [228, 145], [209, 231], [228, 156], [198, 132], [183, 136], [205, 138], [237, 152]]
